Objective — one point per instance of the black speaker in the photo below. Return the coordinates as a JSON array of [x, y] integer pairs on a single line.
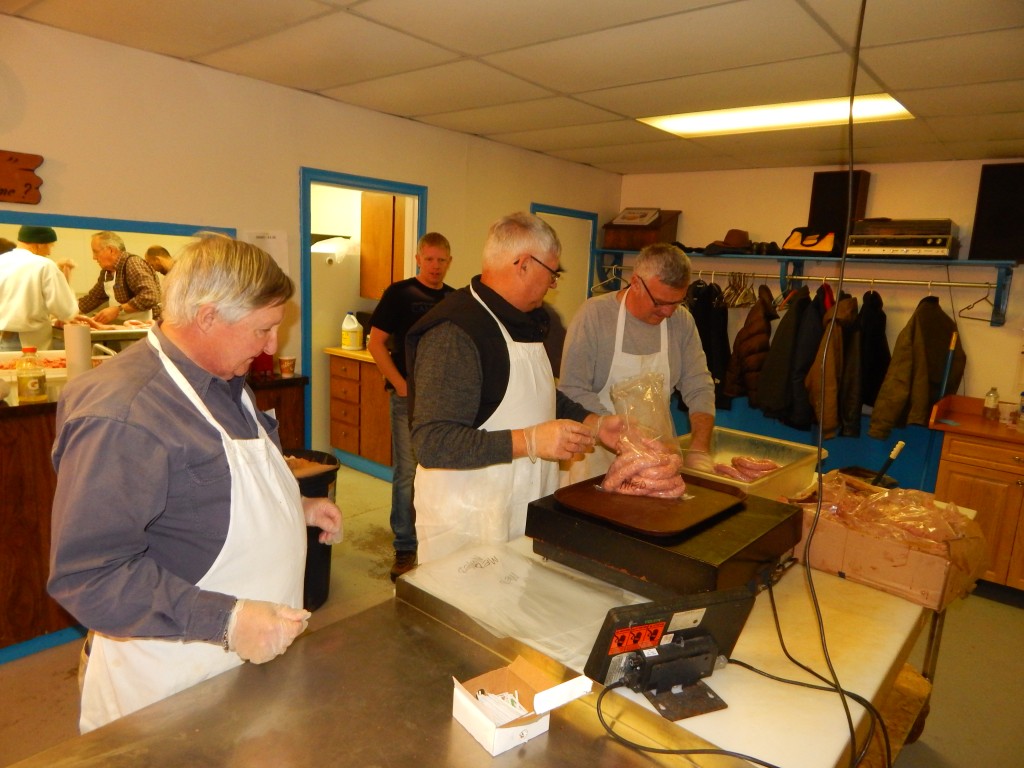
[[829, 202], [998, 234]]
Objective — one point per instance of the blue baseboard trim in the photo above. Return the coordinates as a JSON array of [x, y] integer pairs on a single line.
[[41, 643], [365, 466]]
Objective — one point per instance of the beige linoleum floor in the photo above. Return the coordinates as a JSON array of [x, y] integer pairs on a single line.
[[976, 712]]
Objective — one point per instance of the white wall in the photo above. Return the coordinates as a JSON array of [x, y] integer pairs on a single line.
[[132, 135], [769, 203]]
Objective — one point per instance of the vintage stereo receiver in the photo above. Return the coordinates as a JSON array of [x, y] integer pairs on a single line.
[[904, 239]]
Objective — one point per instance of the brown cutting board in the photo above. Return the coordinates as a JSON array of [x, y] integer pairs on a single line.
[[651, 516]]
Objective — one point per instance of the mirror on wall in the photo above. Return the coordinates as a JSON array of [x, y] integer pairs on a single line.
[[74, 234]]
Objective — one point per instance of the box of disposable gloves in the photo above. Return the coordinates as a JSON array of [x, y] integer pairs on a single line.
[[509, 706]]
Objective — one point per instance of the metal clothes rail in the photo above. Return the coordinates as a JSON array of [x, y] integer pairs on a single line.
[[791, 273]]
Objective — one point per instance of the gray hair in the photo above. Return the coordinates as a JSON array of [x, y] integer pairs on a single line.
[[666, 262], [519, 233], [235, 276], [111, 239]]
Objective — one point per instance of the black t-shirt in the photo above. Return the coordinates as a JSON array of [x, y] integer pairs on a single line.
[[402, 304]]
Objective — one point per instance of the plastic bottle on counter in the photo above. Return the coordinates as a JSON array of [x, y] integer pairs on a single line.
[[351, 332], [990, 410], [31, 378]]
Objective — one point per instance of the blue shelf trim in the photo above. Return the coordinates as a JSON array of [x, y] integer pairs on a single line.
[[41, 643], [365, 466]]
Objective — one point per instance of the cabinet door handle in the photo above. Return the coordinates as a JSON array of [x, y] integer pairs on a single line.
[[1021, 483], [1018, 459]]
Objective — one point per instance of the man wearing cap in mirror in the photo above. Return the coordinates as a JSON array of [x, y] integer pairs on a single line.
[[127, 284], [32, 289]]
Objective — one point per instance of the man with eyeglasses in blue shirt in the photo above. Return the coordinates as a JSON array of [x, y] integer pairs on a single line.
[[640, 329]]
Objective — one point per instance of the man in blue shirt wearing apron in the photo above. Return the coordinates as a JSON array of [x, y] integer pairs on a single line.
[[179, 534]]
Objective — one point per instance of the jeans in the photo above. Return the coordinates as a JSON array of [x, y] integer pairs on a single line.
[[403, 515]]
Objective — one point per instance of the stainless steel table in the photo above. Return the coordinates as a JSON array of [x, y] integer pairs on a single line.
[[374, 689]]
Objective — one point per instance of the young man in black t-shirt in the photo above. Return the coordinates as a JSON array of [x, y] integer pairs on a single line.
[[402, 304]]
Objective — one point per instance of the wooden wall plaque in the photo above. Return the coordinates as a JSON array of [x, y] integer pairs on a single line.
[[18, 181]]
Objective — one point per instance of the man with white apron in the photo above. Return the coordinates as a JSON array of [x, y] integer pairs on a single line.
[[651, 335], [624, 366], [178, 532], [488, 424], [267, 526]]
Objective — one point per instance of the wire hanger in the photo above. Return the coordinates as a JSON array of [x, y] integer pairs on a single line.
[[614, 272], [983, 300]]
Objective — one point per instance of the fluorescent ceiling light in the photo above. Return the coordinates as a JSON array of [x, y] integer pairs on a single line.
[[779, 117]]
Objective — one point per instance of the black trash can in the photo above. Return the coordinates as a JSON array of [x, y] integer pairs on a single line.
[[317, 584]]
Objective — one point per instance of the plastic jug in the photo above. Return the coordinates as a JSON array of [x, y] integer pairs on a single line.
[[351, 332]]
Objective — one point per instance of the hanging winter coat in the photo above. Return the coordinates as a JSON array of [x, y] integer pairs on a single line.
[[750, 349], [874, 346], [835, 393], [913, 382], [711, 315], [772, 386], [808, 336]]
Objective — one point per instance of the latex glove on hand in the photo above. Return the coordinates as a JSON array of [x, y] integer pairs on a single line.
[[324, 514], [259, 631], [700, 461]]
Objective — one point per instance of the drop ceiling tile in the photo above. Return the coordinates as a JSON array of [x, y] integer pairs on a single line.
[[1005, 126], [336, 50], [759, 31], [979, 58], [184, 28], [485, 27], [986, 150], [817, 77], [895, 21], [520, 116], [650, 151], [449, 87], [979, 99], [615, 133]]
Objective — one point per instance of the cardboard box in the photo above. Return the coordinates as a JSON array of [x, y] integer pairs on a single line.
[[538, 692], [925, 578]]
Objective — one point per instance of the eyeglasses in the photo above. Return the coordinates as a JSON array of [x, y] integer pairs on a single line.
[[555, 273], [659, 302]]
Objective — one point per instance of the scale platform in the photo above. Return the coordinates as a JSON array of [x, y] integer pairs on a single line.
[[742, 538]]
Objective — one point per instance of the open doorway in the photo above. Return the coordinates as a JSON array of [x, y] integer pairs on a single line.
[[577, 231], [330, 211]]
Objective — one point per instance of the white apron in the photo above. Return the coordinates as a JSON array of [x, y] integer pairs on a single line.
[[262, 559], [624, 366], [458, 507], [108, 288]]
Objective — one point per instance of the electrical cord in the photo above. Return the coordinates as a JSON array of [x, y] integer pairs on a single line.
[[875, 715], [665, 750], [837, 687]]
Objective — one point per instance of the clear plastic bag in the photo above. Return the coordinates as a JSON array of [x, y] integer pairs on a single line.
[[643, 405]]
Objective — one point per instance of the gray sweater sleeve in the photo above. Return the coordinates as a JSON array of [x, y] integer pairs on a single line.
[[448, 380]]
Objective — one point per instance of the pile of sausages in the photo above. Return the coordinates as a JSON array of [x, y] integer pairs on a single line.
[[747, 468], [649, 470]]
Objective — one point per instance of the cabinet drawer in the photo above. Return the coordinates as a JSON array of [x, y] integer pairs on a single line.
[[983, 453], [344, 368], [345, 411], [345, 389], [344, 437]]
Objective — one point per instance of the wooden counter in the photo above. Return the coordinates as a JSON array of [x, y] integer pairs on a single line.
[[29, 482], [982, 468]]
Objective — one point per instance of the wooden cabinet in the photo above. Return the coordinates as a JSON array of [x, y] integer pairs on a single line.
[[982, 468], [26, 438], [287, 398], [381, 243], [360, 409]]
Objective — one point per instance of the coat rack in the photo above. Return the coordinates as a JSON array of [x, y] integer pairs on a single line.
[[791, 273]]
